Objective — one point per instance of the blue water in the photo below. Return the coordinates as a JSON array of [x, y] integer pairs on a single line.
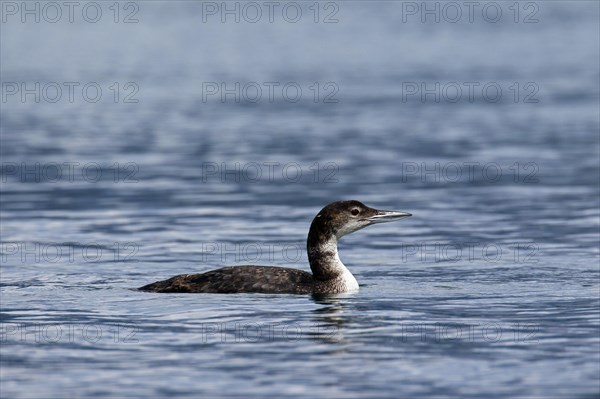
[[491, 289]]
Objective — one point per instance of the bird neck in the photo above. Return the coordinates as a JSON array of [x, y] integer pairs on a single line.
[[322, 251]]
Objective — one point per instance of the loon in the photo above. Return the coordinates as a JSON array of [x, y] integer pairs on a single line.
[[329, 275]]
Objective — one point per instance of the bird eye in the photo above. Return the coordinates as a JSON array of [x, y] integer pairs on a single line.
[[355, 211]]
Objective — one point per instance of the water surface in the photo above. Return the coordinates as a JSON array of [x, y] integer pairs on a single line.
[[491, 289]]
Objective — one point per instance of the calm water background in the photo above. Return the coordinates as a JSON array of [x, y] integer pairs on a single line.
[[491, 289]]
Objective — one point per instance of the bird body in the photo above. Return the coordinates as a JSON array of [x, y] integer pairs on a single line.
[[329, 274]]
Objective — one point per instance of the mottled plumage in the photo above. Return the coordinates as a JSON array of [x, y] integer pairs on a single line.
[[239, 279], [329, 273]]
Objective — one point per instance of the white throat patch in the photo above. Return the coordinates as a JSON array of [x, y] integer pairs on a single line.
[[348, 281]]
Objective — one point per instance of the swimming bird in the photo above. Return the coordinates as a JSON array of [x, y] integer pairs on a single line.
[[329, 274]]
